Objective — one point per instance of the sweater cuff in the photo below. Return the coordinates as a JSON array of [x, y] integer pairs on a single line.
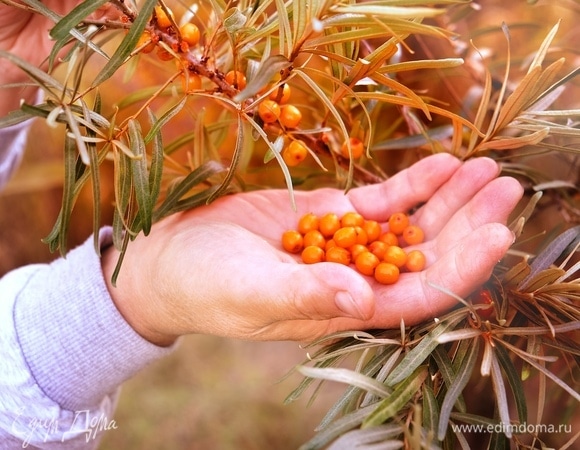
[[78, 346]]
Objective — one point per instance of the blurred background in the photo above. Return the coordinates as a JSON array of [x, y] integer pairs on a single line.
[[215, 393]]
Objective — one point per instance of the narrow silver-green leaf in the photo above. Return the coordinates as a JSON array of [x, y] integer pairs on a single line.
[[64, 26], [514, 381], [157, 157], [347, 376], [140, 175], [430, 409], [394, 403], [500, 395], [166, 117], [455, 389], [128, 44], [417, 355]]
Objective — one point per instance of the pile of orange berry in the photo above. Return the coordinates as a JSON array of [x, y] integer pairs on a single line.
[[352, 239]]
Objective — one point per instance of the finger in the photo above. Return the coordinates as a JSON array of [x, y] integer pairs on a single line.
[[493, 203], [406, 189], [319, 291], [421, 296], [455, 193]]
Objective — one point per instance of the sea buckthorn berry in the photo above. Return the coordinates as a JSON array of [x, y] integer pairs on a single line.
[[329, 244], [352, 219], [190, 33], [356, 147], [163, 54], [395, 255], [190, 83], [378, 248], [398, 222], [162, 18], [361, 236], [307, 222], [357, 249], [413, 235], [415, 261], [314, 237], [146, 42], [281, 94], [366, 262], [312, 255], [292, 241], [329, 224], [236, 79], [338, 255], [389, 238], [345, 237], [290, 116], [294, 153], [386, 273], [269, 111], [373, 229]]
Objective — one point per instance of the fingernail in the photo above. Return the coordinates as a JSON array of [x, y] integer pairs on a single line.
[[347, 304]]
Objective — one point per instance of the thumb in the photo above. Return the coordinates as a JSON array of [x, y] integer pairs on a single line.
[[328, 290]]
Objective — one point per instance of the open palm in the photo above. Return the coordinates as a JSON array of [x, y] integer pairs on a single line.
[[224, 269]]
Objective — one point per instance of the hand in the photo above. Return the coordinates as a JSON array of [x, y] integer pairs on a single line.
[[220, 269], [25, 34]]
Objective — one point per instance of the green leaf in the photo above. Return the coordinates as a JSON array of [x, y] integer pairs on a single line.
[[394, 403], [500, 394], [157, 159], [65, 25], [417, 355], [140, 175], [456, 387], [514, 381], [128, 44], [430, 409], [199, 175]]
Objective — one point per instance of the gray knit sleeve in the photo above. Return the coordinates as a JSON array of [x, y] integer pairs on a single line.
[[64, 351]]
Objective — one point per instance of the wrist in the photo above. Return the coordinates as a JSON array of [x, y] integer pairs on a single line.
[[135, 308]]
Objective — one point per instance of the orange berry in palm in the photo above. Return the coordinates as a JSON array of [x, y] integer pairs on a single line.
[[329, 224], [345, 237], [308, 222], [281, 94], [236, 79], [190, 33], [395, 255], [378, 248], [415, 261], [356, 148], [373, 229], [292, 241], [338, 255], [352, 219], [361, 235], [357, 249], [413, 235], [269, 111], [294, 153], [366, 262], [312, 255], [398, 222], [290, 116], [389, 238], [314, 237], [386, 273]]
